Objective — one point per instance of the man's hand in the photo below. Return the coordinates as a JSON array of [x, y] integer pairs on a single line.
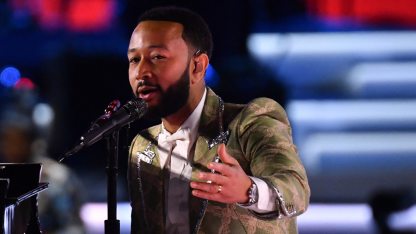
[[229, 185]]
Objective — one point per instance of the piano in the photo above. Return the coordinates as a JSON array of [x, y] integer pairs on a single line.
[[19, 188]]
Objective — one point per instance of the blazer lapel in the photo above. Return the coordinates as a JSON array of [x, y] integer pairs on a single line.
[[152, 190], [208, 129], [148, 152]]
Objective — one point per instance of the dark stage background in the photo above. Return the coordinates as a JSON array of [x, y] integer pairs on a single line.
[[345, 70]]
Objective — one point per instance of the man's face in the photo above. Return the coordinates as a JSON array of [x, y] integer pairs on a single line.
[[159, 57]]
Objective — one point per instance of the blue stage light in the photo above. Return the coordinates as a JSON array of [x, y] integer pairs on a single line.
[[211, 77], [9, 76]]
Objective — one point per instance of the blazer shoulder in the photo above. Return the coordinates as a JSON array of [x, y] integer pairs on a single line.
[[265, 107]]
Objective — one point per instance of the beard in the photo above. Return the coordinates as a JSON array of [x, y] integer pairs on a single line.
[[173, 98]]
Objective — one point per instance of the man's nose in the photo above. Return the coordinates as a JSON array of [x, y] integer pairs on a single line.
[[143, 70]]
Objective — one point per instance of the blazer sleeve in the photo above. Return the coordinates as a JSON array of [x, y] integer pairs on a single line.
[[265, 137]]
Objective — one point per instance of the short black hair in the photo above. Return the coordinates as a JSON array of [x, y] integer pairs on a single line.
[[195, 30]]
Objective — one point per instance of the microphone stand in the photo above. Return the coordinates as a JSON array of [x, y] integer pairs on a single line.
[[112, 224], [130, 112]]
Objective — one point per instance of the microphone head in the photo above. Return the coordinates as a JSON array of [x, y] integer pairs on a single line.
[[131, 111], [136, 107]]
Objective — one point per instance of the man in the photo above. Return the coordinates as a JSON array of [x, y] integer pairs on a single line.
[[176, 182]]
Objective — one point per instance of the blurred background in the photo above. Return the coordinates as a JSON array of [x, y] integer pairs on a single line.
[[345, 70]]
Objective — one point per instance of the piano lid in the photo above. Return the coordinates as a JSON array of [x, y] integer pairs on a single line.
[[23, 177]]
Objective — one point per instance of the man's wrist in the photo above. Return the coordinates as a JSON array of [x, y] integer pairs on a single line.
[[253, 195]]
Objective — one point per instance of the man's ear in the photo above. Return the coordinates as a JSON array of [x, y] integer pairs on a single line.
[[200, 65]]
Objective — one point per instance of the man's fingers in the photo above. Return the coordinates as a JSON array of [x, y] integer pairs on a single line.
[[224, 156], [208, 196], [205, 187], [213, 192], [214, 178]]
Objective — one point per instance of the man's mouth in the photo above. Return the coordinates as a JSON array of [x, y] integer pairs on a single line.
[[146, 92]]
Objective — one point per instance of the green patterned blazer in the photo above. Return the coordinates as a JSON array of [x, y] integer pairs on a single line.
[[260, 139]]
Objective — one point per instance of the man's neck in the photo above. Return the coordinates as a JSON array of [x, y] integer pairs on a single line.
[[174, 121]]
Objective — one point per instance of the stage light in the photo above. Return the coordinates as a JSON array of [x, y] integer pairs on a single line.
[[24, 83], [43, 115], [9, 76], [211, 77]]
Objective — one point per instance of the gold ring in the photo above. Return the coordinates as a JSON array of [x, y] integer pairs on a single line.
[[219, 189]]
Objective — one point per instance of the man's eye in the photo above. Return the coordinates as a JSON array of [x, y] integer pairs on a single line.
[[134, 60], [158, 57]]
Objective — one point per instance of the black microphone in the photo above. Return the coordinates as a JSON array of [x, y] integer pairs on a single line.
[[131, 111]]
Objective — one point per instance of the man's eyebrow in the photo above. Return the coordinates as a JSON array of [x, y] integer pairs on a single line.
[[131, 50]]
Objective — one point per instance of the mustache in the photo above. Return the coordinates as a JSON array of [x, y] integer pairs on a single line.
[[141, 83], [147, 83], [144, 86]]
